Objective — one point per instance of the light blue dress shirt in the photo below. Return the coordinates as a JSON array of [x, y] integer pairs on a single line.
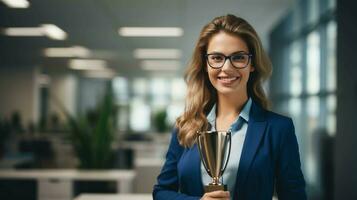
[[239, 130]]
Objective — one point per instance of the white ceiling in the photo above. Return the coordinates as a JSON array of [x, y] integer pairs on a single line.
[[94, 24]]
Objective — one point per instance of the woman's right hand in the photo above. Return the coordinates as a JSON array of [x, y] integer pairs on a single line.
[[215, 195]]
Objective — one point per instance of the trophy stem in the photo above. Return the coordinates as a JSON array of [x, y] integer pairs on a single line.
[[215, 185], [215, 181]]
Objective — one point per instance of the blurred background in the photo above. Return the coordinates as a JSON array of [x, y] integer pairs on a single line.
[[90, 89]]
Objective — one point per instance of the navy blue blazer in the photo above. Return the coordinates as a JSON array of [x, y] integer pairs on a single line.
[[270, 160]]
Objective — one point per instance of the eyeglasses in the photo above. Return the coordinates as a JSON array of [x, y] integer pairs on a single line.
[[238, 60]]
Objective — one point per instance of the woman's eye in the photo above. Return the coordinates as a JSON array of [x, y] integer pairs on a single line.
[[238, 57], [216, 58]]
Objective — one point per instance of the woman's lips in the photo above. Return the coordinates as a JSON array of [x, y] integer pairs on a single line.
[[227, 80]]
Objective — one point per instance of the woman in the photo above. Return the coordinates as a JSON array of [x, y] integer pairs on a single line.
[[225, 92]]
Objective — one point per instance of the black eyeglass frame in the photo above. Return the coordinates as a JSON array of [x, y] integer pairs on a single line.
[[230, 59]]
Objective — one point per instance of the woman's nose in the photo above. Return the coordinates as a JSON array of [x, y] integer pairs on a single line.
[[227, 65]]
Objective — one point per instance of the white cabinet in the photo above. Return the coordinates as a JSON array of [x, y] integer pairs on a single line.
[[56, 184], [54, 189]]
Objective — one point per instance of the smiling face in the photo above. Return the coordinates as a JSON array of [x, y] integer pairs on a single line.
[[228, 79]]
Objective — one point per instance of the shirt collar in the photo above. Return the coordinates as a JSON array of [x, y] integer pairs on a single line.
[[246, 109], [211, 117]]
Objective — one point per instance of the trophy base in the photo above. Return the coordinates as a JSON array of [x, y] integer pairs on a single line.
[[211, 188]]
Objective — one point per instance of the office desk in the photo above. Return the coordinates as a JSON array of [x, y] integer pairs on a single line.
[[114, 197], [58, 184]]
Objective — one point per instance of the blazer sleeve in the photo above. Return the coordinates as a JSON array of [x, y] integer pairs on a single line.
[[167, 186], [290, 180]]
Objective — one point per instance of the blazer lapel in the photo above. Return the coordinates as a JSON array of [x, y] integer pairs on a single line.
[[255, 132]]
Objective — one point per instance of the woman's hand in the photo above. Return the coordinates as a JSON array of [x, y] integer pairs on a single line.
[[222, 195]]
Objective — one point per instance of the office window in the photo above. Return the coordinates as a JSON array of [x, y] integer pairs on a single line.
[[295, 106], [177, 105], [313, 11], [174, 110], [312, 111], [331, 56], [331, 114], [297, 20], [331, 4], [178, 89], [140, 115], [313, 63], [307, 55], [296, 70], [123, 118], [159, 89], [121, 90], [139, 87]]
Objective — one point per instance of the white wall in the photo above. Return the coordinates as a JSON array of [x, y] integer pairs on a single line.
[[63, 87], [19, 92]]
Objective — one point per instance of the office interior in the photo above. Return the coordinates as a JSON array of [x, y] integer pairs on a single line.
[[88, 99]]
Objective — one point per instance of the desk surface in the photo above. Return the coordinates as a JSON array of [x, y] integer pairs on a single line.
[[119, 197], [69, 174], [114, 197], [11, 161]]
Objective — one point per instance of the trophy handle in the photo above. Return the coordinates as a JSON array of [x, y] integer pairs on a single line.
[[229, 152], [200, 150]]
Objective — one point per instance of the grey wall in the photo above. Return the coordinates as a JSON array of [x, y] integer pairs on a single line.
[[346, 137], [90, 93]]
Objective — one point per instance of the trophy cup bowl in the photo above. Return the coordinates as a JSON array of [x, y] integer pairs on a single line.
[[215, 148]]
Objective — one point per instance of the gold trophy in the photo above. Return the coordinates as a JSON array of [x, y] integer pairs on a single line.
[[215, 148]]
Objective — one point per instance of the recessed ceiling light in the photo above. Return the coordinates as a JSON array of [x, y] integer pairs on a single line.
[[162, 65], [16, 3], [50, 30], [87, 64], [150, 31], [75, 51], [157, 53]]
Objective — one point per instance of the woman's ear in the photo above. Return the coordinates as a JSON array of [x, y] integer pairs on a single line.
[[252, 69]]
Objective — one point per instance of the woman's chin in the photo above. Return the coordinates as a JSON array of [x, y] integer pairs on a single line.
[[228, 91]]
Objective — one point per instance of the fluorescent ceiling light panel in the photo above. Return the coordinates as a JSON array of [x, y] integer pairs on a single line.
[[87, 64], [157, 53], [54, 32], [23, 31], [150, 31], [70, 52], [16, 3], [50, 30], [161, 65]]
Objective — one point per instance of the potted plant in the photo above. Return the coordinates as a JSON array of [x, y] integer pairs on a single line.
[[160, 122], [92, 134]]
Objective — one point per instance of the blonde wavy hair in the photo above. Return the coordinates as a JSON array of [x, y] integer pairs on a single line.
[[201, 95]]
